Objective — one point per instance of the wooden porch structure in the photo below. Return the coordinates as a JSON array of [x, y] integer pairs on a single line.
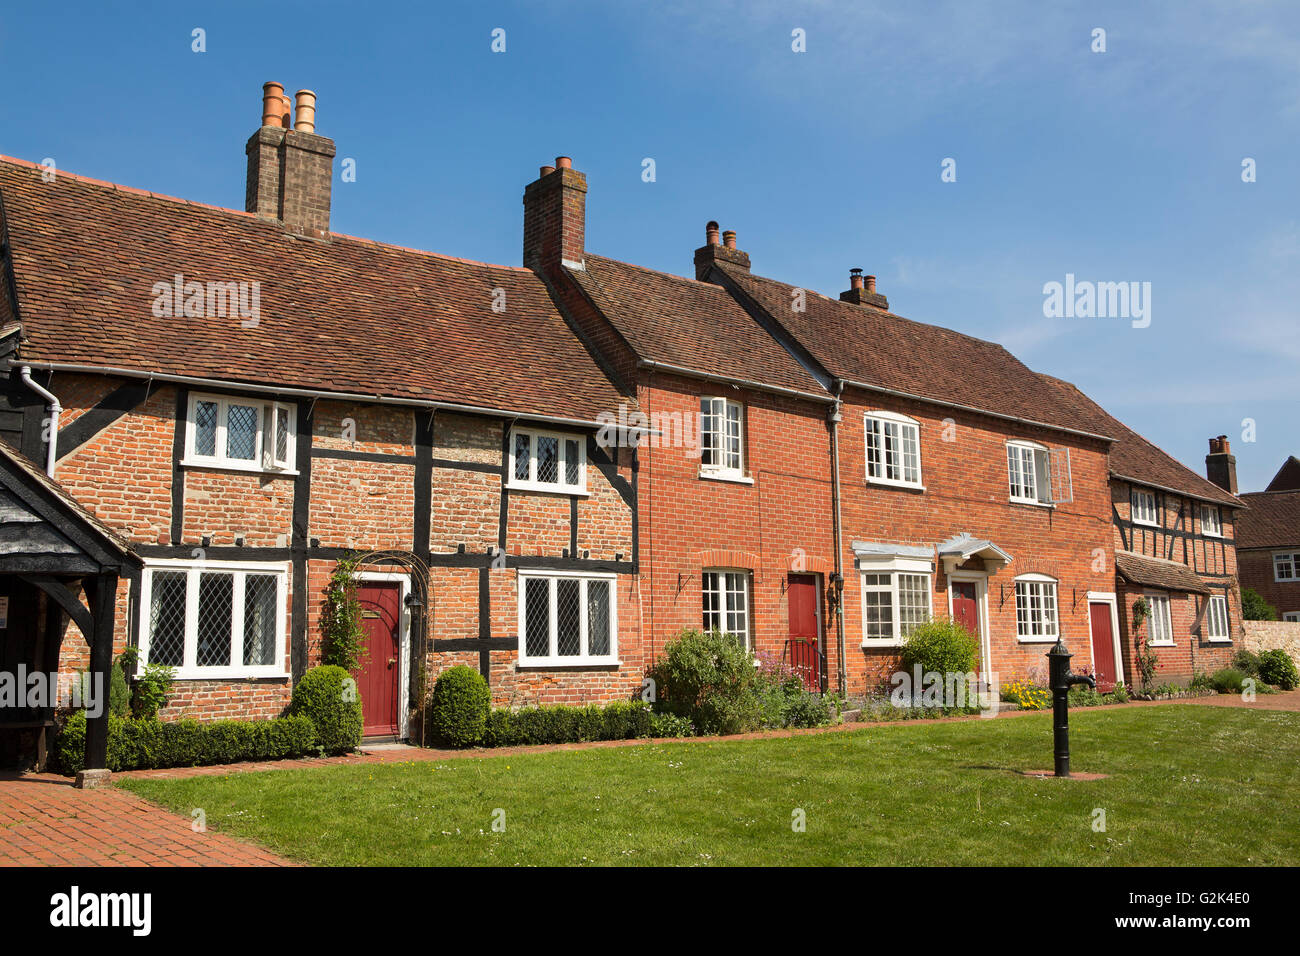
[[54, 553]]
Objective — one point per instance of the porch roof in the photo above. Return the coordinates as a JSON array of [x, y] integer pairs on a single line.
[[1158, 573]]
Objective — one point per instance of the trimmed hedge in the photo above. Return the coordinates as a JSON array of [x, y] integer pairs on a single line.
[[146, 744], [558, 724], [329, 696], [458, 709]]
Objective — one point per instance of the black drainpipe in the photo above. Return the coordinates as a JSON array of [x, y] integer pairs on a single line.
[[834, 420]]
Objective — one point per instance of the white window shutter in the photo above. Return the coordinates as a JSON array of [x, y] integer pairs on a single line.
[[1043, 476], [1062, 481]]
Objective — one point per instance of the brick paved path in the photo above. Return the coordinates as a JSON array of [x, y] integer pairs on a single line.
[[45, 821]]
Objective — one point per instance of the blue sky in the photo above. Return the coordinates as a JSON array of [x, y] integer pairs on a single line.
[[1115, 166]]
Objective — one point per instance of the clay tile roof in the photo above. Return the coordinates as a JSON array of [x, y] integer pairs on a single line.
[[689, 324], [1156, 573], [1133, 457], [878, 348], [347, 315], [1273, 520]]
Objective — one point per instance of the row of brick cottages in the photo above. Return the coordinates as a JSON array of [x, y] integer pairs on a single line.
[[822, 479]]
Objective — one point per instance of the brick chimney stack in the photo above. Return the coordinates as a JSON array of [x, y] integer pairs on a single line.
[[718, 250], [862, 291], [290, 169], [1221, 464], [555, 216]]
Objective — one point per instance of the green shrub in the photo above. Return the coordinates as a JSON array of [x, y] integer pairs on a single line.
[[1255, 608], [941, 646], [145, 744], [329, 696], [709, 679], [152, 688], [784, 701], [670, 725], [1246, 662], [1121, 693], [1227, 681], [458, 709], [1276, 667]]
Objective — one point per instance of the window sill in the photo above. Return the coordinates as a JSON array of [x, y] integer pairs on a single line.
[[1145, 524], [1162, 644], [229, 674], [894, 642], [1218, 640], [1209, 534], [901, 485], [236, 466], [576, 663], [572, 492], [1031, 501], [1035, 640], [733, 478]]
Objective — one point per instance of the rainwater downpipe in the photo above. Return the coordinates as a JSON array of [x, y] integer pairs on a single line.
[[54, 408], [834, 418]]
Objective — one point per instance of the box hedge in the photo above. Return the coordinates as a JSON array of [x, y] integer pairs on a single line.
[[329, 696], [135, 744]]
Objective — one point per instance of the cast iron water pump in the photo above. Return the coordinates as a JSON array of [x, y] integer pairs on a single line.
[[1061, 680]]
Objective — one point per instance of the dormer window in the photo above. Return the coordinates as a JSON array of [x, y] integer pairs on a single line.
[[893, 449], [547, 461], [240, 434]]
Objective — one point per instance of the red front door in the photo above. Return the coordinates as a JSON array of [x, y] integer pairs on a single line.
[[381, 618], [965, 609], [804, 598], [1103, 647]]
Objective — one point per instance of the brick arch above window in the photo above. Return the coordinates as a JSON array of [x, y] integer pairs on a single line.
[[808, 564], [724, 558]]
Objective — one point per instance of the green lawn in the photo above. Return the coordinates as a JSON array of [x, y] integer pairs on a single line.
[[1190, 786]]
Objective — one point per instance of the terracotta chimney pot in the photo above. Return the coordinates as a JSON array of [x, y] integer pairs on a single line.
[[711, 237], [545, 171], [729, 238], [855, 278], [305, 114], [563, 162], [272, 104], [871, 284]]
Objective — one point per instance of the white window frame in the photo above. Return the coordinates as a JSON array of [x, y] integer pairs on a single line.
[[270, 417], [893, 568], [554, 660], [1159, 600], [560, 485], [1293, 616], [1216, 613], [1040, 473], [1213, 527], [1136, 498], [189, 670], [879, 423], [1292, 559], [733, 468], [1048, 588], [719, 585]]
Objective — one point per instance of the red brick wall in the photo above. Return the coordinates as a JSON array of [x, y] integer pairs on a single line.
[[1257, 573], [687, 523], [964, 471]]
